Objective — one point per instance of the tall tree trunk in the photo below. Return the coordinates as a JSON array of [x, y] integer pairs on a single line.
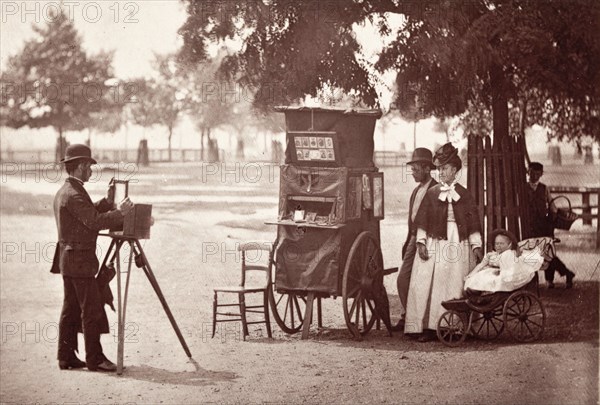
[[60, 145], [499, 106], [170, 136], [522, 126], [202, 143], [415, 135]]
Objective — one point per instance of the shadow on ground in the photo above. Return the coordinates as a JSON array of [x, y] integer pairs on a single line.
[[198, 377], [571, 316]]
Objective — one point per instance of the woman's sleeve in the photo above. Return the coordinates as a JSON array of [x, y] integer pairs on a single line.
[[475, 240]]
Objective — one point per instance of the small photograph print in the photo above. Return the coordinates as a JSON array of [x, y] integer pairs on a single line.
[[321, 142], [323, 153], [314, 154], [305, 143], [329, 142], [306, 154], [330, 155], [298, 142], [313, 142], [300, 154]]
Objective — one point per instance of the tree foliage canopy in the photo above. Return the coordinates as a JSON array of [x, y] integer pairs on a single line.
[[454, 56], [53, 82]]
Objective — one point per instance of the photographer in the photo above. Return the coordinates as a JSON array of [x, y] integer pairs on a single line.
[[78, 221]]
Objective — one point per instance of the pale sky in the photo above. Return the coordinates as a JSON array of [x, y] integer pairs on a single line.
[[135, 30]]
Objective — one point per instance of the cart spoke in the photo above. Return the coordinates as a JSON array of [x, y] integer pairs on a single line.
[[529, 329], [354, 303], [300, 318], [291, 300], [364, 313], [534, 314], [535, 323], [370, 306], [285, 312], [357, 314], [480, 327], [495, 328]]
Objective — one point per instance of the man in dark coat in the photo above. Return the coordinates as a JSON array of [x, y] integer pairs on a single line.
[[421, 165], [78, 221], [541, 209]]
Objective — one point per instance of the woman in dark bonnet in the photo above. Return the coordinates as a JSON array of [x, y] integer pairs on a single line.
[[448, 243]]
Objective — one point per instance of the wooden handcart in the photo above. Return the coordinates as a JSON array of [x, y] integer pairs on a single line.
[[330, 204]]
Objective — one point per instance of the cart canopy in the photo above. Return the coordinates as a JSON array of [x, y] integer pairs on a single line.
[[353, 129]]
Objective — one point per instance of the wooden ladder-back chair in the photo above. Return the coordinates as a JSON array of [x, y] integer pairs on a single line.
[[242, 289]]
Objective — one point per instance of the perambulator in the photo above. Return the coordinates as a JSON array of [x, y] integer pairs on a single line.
[[520, 312]]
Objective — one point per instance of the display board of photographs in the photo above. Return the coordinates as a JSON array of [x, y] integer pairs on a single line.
[[314, 148]]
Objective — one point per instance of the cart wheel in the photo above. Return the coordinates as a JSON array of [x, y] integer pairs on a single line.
[[288, 310], [452, 328], [364, 268], [488, 325], [524, 316]]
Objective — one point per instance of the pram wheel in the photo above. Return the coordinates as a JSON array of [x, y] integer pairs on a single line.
[[452, 328], [487, 325], [524, 316]]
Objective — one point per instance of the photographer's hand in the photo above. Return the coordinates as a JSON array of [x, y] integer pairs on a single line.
[[125, 206], [110, 193]]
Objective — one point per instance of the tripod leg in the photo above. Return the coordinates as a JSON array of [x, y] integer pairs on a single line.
[[113, 244], [122, 312], [161, 297]]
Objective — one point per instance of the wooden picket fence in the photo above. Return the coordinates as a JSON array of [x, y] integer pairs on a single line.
[[497, 180]]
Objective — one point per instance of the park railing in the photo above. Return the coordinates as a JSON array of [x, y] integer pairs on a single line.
[[585, 210], [111, 155], [384, 158]]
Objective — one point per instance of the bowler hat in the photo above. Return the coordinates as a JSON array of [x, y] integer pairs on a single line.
[[446, 154], [421, 155], [76, 152], [536, 166]]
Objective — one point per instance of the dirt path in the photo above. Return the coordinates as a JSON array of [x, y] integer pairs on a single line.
[[330, 367]]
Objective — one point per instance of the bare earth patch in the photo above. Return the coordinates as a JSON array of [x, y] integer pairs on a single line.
[[329, 367]]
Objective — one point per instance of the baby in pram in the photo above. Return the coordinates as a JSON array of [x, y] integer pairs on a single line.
[[503, 269]]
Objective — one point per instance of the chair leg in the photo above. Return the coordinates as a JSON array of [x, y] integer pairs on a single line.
[[214, 325], [242, 300], [266, 309], [319, 313]]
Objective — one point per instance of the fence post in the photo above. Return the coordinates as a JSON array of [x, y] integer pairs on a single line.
[[598, 223], [585, 202]]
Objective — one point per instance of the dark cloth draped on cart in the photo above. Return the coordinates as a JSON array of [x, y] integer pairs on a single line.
[[307, 260], [355, 149]]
